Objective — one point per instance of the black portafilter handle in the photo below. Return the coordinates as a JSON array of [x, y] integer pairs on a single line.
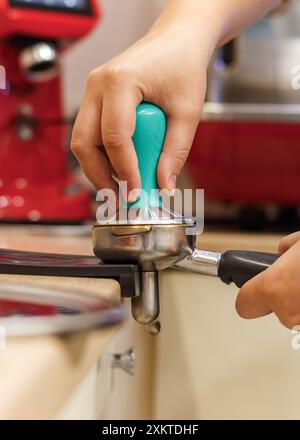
[[238, 267]]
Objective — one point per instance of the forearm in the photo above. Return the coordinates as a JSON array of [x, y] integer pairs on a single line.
[[212, 22], [238, 15]]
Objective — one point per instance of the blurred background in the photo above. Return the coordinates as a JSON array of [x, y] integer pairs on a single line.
[[48, 49]]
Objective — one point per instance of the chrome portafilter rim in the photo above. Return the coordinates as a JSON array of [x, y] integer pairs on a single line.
[[161, 244]]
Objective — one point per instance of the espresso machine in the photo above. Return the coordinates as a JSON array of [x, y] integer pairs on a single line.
[[36, 183]]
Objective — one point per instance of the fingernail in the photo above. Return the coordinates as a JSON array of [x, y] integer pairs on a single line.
[[133, 195], [172, 184]]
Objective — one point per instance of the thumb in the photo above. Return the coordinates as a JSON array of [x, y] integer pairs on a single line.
[[178, 142], [118, 124], [251, 301]]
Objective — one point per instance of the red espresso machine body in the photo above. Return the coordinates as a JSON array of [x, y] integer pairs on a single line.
[[251, 163], [36, 183]]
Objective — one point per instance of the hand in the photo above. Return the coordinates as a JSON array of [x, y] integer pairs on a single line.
[[277, 289], [167, 68]]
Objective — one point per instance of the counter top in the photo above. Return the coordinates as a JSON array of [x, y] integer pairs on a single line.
[[38, 373]]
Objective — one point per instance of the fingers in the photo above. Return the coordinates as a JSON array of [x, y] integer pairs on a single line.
[[117, 126], [251, 301], [86, 138], [107, 116], [274, 290], [288, 241], [180, 134]]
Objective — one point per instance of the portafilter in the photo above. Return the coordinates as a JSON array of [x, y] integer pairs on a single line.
[[156, 239]]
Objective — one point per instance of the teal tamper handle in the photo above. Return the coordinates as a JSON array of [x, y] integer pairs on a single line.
[[148, 139]]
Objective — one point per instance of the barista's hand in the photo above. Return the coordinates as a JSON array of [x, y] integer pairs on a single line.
[[277, 289], [168, 68]]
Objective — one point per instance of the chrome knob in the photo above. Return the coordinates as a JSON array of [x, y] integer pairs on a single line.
[[125, 361]]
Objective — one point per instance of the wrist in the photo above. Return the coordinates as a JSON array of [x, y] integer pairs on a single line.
[[191, 21], [210, 23]]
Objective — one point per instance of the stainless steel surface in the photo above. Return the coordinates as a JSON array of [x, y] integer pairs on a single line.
[[257, 84], [201, 261], [152, 248], [145, 307], [214, 111], [39, 61], [125, 361]]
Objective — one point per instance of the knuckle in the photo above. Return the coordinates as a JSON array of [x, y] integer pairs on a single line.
[[286, 242], [77, 147], [191, 112], [115, 73], [181, 155], [112, 140], [93, 77], [283, 243], [178, 157]]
